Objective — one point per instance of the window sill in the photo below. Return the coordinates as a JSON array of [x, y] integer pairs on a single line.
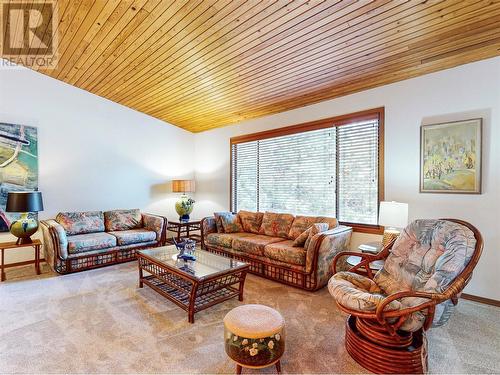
[[365, 228]]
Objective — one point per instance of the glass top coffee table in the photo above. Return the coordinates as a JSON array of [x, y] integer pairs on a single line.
[[192, 285]]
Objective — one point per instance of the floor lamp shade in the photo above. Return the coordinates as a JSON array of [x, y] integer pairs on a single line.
[[24, 202]]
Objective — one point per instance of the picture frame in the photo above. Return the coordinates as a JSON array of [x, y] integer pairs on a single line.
[[451, 157]]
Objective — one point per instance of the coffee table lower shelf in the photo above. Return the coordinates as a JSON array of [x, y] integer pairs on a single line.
[[190, 294]]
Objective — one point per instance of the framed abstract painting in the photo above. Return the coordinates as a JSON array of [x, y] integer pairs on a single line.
[[18, 166], [450, 157]]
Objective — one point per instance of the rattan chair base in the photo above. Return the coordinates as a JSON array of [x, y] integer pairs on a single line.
[[385, 359]]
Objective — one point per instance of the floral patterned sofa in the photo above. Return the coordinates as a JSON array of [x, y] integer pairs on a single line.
[[76, 241], [294, 250]]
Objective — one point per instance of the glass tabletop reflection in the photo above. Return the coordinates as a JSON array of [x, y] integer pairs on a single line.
[[205, 265]]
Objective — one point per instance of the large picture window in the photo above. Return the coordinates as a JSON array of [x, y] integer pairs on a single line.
[[331, 167]]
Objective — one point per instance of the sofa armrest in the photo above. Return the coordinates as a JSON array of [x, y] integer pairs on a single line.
[[55, 240], [323, 248], [207, 226], [156, 223]]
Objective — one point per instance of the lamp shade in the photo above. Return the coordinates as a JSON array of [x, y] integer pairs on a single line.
[[24, 201], [183, 186], [393, 214]]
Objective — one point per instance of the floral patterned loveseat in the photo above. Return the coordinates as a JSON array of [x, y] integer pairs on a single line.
[[76, 241], [294, 250]]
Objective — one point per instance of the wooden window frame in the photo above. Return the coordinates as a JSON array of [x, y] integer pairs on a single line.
[[369, 114]]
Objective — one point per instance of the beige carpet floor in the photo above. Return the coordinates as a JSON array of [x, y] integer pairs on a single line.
[[100, 322]]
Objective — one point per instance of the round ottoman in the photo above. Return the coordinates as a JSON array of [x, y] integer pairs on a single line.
[[254, 336]]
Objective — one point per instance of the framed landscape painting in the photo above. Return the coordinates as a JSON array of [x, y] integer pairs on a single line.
[[450, 157]]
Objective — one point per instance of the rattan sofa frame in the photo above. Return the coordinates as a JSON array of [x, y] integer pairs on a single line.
[[85, 261], [276, 272]]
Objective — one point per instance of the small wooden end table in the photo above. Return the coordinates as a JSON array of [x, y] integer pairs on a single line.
[[184, 229], [36, 244]]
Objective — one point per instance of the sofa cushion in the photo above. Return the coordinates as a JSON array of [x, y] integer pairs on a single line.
[[122, 220], [218, 222], [90, 241], [302, 238], [231, 223], [302, 223], [251, 221], [276, 224], [285, 252], [358, 292], [81, 222], [224, 239], [254, 244], [314, 230], [127, 237]]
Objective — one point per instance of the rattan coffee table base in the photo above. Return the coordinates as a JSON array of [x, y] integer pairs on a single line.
[[191, 294]]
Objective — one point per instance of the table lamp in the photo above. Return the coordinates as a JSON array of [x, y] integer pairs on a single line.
[[24, 202], [184, 206], [393, 216]]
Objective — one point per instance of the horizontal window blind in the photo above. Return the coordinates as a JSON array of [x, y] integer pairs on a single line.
[[358, 172], [332, 171]]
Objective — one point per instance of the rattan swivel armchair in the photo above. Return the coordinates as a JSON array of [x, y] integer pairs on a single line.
[[425, 270]]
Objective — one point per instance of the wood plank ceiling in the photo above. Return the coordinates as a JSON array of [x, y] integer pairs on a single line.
[[202, 64]]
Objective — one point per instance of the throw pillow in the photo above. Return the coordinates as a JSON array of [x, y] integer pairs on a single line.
[[218, 223], [301, 239], [315, 229], [251, 221], [231, 223], [122, 220], [301, 224], [276, 225], [81, 222]]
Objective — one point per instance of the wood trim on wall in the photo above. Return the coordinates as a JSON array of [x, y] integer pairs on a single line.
[[484, 300], [369, 114]]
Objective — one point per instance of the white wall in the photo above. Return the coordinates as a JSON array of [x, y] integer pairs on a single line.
[[467, 91], [94, 154]]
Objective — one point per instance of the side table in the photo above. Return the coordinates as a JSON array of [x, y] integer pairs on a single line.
[[184, 229], [354, 260], [36, 244]]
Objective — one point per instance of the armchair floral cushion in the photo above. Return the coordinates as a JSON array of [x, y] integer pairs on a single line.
[[122, 220], [358, 292], [426, 257], [81, 222]]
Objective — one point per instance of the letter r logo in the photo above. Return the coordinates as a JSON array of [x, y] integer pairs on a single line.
[[27, 28]]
